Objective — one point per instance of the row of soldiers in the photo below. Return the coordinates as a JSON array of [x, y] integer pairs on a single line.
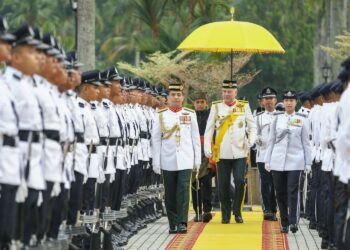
[[324, 186], [71, 141]]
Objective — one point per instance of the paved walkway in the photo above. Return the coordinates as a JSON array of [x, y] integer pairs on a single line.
[[156, 236]]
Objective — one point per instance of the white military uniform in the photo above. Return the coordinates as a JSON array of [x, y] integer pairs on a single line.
[[182, 150], [29, 119], [235, 143], [121, 152], [288, 145], [315, 127], [9, 155], [263, 122]]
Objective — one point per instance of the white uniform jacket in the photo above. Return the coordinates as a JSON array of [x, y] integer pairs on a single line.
[[235, 144], [182, 150], [289, 146], [263, 123]]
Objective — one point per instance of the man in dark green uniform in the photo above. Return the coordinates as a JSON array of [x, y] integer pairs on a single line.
[[201, 187]]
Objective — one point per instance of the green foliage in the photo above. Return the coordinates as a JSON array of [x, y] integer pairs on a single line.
[[342, 47]]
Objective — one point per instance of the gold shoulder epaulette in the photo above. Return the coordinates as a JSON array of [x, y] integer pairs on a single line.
[[188, 109], [217, 102], [243, 101], [162, 110]]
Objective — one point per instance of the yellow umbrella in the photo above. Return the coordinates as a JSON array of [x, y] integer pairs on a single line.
[[231, 36]]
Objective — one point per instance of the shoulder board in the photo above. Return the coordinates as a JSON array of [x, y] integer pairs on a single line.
[[17, 77], [260, 113], [301, 114], [106, 105], [191, 110], [278, 113], [93, 106], [217, 102], [162, 110], [82, 105]]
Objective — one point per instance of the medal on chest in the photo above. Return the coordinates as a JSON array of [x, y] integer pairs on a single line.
[[185, 118]]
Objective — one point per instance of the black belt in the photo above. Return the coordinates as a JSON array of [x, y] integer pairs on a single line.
[[144, 135], [133, 142], [9, 141], [52, 135], [24, 134], [80, 137], [104, 141], [113, 141], [121, 143], [93, 149]]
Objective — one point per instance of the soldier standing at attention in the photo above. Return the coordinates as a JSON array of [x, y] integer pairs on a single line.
[[229, 119], [288, 154], [176, 150]]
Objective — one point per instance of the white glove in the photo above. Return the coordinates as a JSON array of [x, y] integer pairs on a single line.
[[307, 169], [22, 192], [267, 167], [56, 189], [40, 199], [207, 153], [128, 171], [156, 169]]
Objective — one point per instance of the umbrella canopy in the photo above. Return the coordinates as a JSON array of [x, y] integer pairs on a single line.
[[231, 36]]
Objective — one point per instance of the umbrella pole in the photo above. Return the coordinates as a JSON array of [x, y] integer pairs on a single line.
[[231, 64]]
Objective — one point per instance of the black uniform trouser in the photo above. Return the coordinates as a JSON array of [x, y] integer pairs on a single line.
[[89, 195], [59, 212], [134, 178], [308, 206], [75, 198], [103, 190], [30, 215], [315, 198], [44, 211], [342, 197], [118, 189], [224, 170], [287, 193], [267, 189], [324, 196], [7, 213], [301, 188], [330, 207], [204, 194], [177, 185]]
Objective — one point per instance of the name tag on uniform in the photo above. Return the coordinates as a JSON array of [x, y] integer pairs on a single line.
[[296, 122], [185, 119]]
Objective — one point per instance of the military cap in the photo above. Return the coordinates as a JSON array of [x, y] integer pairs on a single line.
[[155, 91], [125, 83], [147, 87], [38, 35], [104, 78], [61, 55], [162, 91], [4, 34], [176, 87], [315, 92], [91, 77], [325, 89], [138, 83], [229, 84], [343, 75], [50, 41], [71, 56], [25, 36], [113, 74], [199, 95], [304, 96], [337, 86], [279, 106], [289, 94], [346, 63], [268, 92]]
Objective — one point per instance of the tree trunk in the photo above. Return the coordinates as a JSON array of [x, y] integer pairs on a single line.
[[86, 33], [332, 21]]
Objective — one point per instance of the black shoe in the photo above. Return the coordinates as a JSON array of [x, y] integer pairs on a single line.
[[324, 244], [284, 230], [293, 228], [172, 230], [267, 215], [198, 218], [273, 217], [225, 221], [331, 246], [238, 219], [207, 217], [312, 225], [182, 228]]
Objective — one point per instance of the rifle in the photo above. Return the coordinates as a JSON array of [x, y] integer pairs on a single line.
[[105, 160]]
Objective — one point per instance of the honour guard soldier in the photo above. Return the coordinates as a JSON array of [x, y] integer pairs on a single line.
[[229, 119], [9, 151], [176, 151], [263, 122], [201, 181], [24, 64], [88, 91], [287, 155]]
